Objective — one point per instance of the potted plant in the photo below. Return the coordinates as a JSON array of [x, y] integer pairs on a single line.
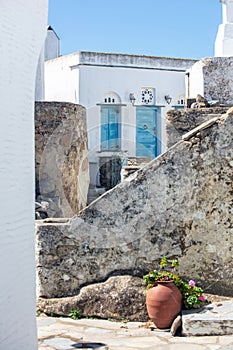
[[167, 294]]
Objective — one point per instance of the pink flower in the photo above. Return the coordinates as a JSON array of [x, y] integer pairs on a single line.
[[201, 298], [192, 283]]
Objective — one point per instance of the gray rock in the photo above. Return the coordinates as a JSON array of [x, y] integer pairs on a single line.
[[62, 169], [118, 298], [178, 205]]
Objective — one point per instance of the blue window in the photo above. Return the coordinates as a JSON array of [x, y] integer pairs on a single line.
[[110, 128]]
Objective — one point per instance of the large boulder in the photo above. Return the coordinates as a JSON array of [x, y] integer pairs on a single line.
[[120, 297]]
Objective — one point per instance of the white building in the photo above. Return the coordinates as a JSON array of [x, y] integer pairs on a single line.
[[126, 98], [224, 39]]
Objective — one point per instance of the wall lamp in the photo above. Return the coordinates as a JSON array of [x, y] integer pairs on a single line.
[[168, 99], [132, 98]]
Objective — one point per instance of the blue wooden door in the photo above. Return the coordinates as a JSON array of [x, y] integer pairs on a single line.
[[146, 134], [110, 128]]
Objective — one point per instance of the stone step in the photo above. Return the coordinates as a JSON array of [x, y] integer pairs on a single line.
[[213, 319]]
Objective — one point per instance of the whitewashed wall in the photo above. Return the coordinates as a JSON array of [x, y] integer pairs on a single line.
[[39, 88], [224, 41], [195, 80], [50, 50], [224, 38], [85, 77], [52, 45], [60, 85], [23, 29]]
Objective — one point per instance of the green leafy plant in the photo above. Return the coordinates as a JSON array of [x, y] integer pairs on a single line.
[[38, 313], [192, 295], [75, 314]]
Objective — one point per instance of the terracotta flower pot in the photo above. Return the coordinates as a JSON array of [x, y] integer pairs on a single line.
[[164, 302]]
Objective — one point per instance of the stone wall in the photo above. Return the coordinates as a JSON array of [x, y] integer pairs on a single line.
[[179, 205], [212, 77], [62, 170], [179, 122]]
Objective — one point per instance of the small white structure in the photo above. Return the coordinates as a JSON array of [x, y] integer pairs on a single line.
[[224, 39], [52, 44], [20, 49], [126, 98], [50, 49]]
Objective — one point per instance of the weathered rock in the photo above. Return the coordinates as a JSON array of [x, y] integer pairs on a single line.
[[198, 105], [62, 169], [179, 205], [201, 102], [118, 298], [179, 122]]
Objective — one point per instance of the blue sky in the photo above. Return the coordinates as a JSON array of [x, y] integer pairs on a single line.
[[172, 28]]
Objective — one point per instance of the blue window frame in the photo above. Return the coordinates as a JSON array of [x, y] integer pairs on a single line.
[[110, 128]]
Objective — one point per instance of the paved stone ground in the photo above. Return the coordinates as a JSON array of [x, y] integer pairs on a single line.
[[68, 334]]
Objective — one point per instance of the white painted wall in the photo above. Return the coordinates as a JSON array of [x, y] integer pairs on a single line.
[[224, 38], [50, 50], [20, 49], [52, 45], [60, 83], [39, 88], [227, 11], [195, 80]]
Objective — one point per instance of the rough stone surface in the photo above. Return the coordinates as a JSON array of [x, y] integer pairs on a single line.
[[214, 319], [212, 77], [218, 78], [179, 122], [62, 169], [179, 205], [121, 297]]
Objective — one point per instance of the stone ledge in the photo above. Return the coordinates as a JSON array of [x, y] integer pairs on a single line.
[[213, 319], [199, 128]]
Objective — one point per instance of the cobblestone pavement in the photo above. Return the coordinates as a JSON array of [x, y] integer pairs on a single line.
[[68, 334]]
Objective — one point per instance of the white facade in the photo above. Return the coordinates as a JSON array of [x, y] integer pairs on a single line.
[[224, 39], [195, 80], [95, 80], [20, 49]]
